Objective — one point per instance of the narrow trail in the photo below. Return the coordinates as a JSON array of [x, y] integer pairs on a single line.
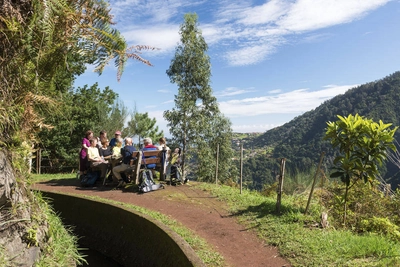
[[197, 210]]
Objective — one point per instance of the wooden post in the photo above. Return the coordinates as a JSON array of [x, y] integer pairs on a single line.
[[313, 184], [280, 186], [241, 166], [38, 161], [163, 165], [216, 167]]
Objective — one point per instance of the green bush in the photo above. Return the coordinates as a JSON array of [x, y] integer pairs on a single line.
[[381, 226]]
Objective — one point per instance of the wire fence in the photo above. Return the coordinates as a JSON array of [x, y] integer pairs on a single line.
[[41, 165]]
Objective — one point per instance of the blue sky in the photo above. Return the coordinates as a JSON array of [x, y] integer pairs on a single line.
[[271, 60]]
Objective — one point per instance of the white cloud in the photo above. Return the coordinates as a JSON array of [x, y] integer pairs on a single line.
[[231, 91], [165, 37], [249, 55], [308, 15], [164, 91], [161, 122], [296, 101], [246, 33], [276, 91], [266, 13]]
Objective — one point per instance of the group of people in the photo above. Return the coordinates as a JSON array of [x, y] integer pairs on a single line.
[[101, 154]]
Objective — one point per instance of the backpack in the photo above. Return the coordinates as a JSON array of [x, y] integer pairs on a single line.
[[146, 182], [89, 179], [175, 175]]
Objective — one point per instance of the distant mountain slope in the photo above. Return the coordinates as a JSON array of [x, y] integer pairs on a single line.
[[301, 140]]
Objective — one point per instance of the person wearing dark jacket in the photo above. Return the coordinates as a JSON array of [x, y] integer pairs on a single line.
[[126, 153]]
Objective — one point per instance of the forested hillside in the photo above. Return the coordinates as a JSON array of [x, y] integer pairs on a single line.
[[301, 142]]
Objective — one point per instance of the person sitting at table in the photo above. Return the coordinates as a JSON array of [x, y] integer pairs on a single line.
[[148, 146], [126, 152], [106, 153], [95, 160], [113, 140]]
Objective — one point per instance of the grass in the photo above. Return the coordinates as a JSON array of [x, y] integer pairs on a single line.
[[300, 242], [36, 178], [61, 247]]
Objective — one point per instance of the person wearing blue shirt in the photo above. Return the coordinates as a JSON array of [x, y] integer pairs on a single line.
[[126, 153], [113, 141]]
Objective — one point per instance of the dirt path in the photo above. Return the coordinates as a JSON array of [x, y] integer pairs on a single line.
[[195, 209]]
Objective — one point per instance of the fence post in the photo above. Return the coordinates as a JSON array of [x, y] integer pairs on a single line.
[[241, 166], [38, 160], [216, 167], [280, 186], [313, 184]]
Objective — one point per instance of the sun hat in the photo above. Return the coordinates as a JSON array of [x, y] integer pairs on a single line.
[[118, 132]]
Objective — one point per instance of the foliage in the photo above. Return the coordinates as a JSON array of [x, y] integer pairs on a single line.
[[43, 44], [38, 41], [111, 120], [296, 238], [219, 136], [196, 112], [301, 140], [363, 145], [61, 249], [84, 108], [142, 126], [367, 206], [381, 226]]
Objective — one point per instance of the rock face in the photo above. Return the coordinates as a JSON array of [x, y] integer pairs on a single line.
[[20, 235]]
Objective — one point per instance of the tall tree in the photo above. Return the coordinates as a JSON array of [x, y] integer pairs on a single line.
[[195, 106]]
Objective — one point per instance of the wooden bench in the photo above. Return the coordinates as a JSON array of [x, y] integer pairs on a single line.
[[158, 158], [134, 168]]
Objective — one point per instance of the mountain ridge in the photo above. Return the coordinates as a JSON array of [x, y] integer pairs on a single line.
[[301, 142]]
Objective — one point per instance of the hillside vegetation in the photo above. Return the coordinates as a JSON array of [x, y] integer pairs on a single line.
[[301, 142]]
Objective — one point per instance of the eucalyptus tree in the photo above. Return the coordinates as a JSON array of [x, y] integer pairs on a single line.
[[195, 105], [217, 136]]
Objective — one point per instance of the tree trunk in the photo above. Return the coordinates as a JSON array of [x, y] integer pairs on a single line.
[[345, 205]]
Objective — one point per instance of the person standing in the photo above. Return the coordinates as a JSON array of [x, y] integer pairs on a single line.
[[83, 160], [103, 135]]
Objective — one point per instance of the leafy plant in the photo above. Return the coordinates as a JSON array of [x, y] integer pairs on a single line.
[[362, 144]]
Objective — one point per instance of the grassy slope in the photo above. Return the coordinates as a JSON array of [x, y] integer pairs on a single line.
[[297, 239]]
